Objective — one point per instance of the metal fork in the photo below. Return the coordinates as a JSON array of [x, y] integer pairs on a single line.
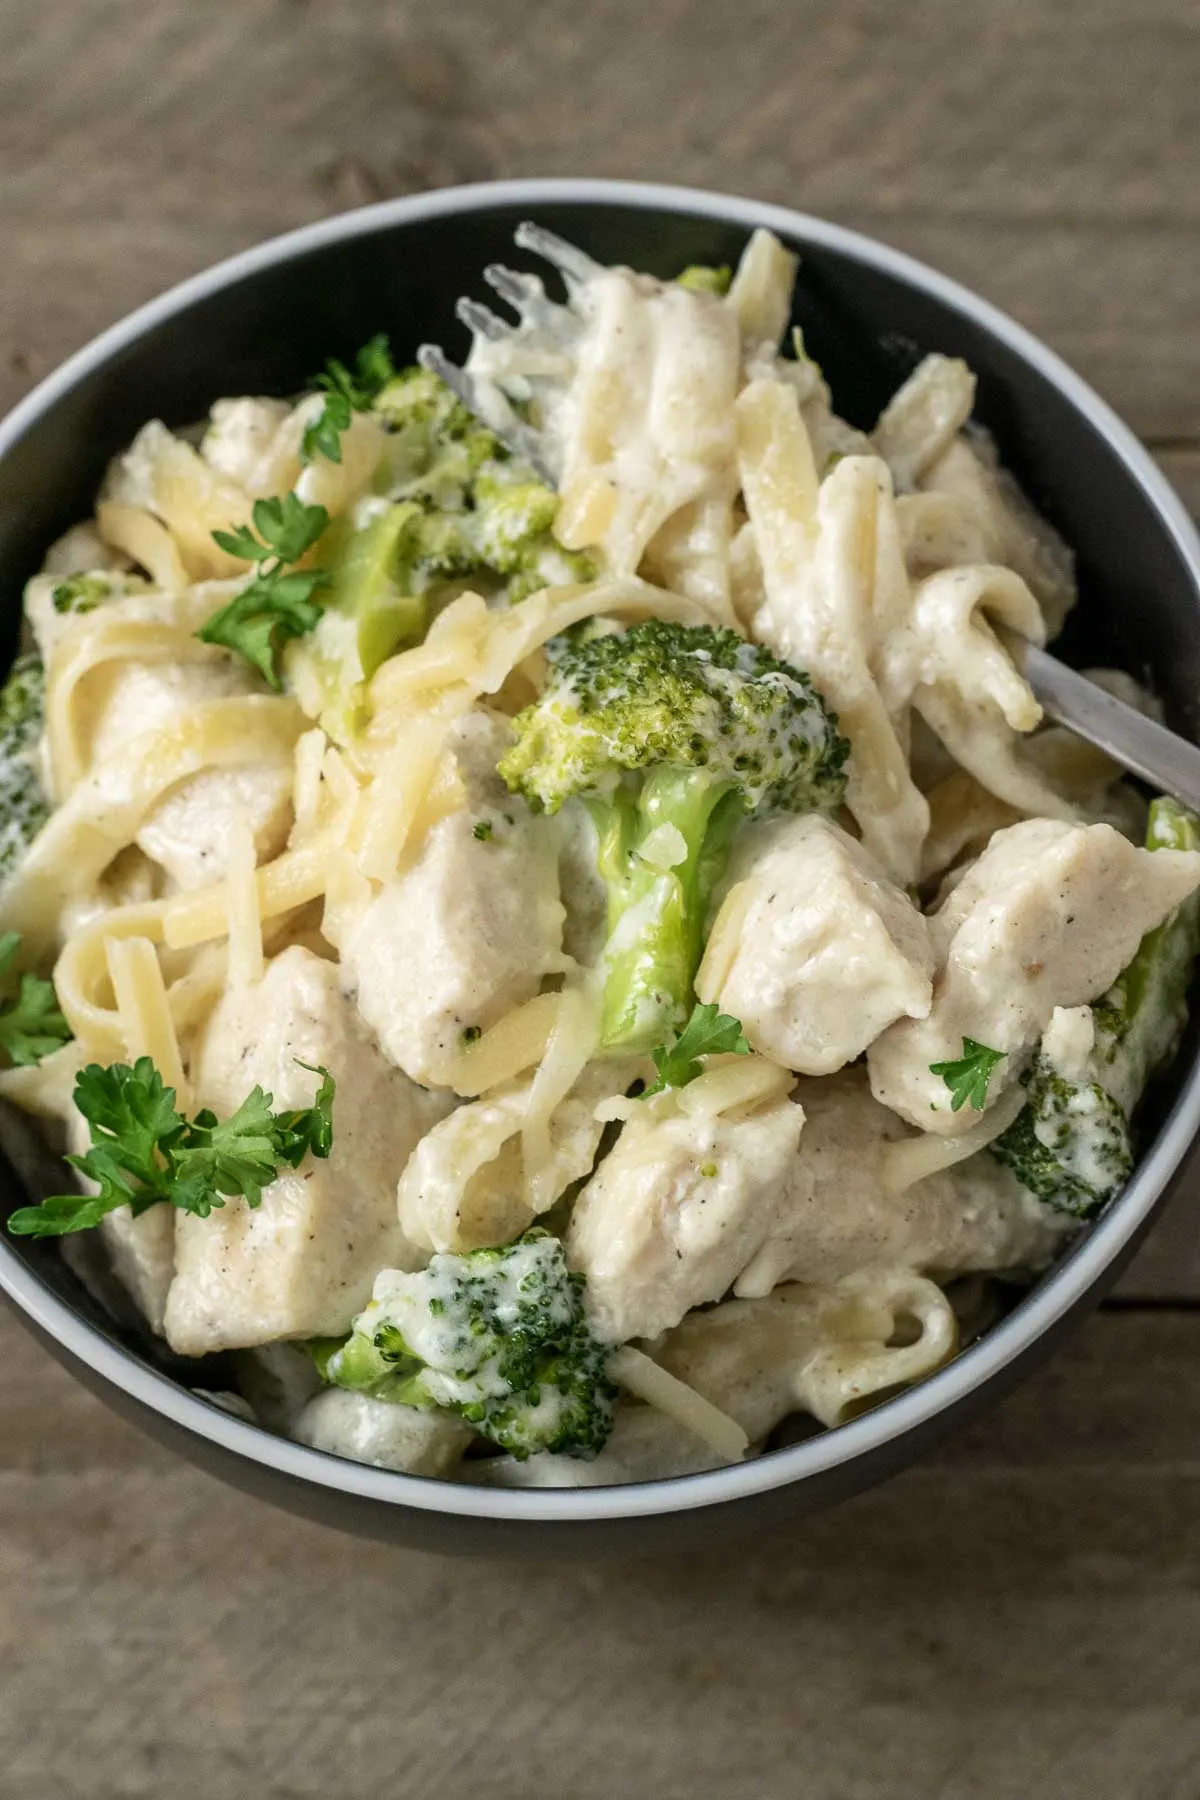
[[536, 312], [1168, 762]]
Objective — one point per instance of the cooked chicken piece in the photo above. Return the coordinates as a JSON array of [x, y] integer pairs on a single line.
[[585, 897], [469, 929], [190, 831], [1048, 916], [814, 949], [141, 1251], [242, 441], [301, 1264], [838, 1213], [676, 1211], [415, 1440]]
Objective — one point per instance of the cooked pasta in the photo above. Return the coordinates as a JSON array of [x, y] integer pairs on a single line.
[[567, 930]]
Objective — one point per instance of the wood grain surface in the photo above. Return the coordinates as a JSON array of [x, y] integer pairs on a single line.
[[1017, 1616]]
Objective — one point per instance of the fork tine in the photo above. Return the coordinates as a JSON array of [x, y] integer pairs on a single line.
[[576, 264], [482, 320], [434, 358], [524, 293], [490, 407]]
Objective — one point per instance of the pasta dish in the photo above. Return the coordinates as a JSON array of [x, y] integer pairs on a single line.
[[539, 906]]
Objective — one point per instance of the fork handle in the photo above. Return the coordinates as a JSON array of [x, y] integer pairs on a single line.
[[1141, 745]]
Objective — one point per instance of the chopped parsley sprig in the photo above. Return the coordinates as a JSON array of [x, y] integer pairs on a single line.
[[967, 1076], [278, 604], [347, 392], [31, 1025], [144, 1152], [709, 1032]]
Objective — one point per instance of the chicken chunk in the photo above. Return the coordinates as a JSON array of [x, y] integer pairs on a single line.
[[838, 1213], [675, 1212], [190, 832], [242, 441], [815, 950], [1048, 916], [141, 1251], [301, 1264], [415, 1440], [470, 928]]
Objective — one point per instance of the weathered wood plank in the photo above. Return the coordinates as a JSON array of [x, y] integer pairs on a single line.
[[1180, 463], [139, 142], [1019, 1615]]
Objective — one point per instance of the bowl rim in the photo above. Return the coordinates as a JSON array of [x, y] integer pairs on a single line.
[[1061, 1290]]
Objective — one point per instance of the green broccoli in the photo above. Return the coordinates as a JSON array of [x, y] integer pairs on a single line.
[[671, 735], [1070, 1144], [1140, 1020], [499, 1337], [83, 593], [486, 515], [24, 804], [453, 508]]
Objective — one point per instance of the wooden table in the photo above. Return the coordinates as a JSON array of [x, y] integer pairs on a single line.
[[1017, 1616]]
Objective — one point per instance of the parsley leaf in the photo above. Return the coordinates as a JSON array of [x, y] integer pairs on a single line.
[[264, 616], [144, 1151], [286, 526], [707, 1033], [31, 1025], [967, 1077], [275, 606], [347, 392]]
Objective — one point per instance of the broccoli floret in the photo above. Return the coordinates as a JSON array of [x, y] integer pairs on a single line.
[[452, 508], [671, 735], [499, 1337], [23, 804], [486, 515], [1070, 1145], [81, 593], [1140, 1020]]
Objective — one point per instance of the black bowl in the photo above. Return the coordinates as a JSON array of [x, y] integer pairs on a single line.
[[262, 323]]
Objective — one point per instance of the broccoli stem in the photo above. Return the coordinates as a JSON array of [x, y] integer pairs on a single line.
[[358, 1363], [656, 915], [1140, 1020]]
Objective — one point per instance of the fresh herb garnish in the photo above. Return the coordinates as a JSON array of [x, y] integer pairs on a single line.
[[708, 1032], [967, 1077], [31, 1025], [276, 605], [482, 830], [145, 1152], [347, 392]]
